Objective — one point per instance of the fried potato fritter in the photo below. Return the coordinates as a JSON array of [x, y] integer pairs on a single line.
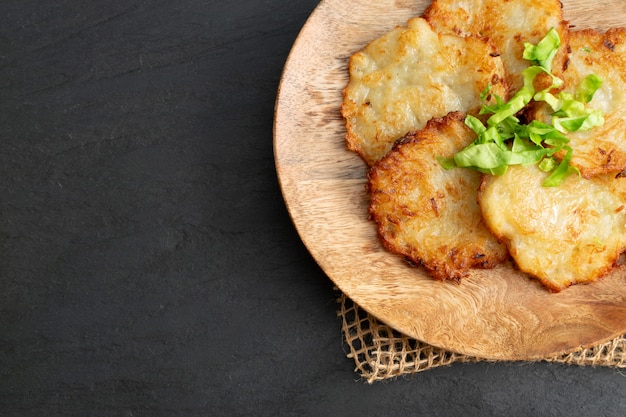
[[429, 214], [564, 235], [508, 24], [603, 148], [401, 80]]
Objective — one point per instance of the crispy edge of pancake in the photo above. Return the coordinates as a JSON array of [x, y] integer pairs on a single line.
[[371, 149], [494, 216], [412, 165]]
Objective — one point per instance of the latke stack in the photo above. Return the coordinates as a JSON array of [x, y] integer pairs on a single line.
[[404, 106]]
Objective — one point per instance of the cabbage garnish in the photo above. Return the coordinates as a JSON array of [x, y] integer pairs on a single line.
[[505, 141], [570, 112], [543, 53]]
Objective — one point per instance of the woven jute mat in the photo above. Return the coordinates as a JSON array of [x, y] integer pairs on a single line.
[[381, 353]]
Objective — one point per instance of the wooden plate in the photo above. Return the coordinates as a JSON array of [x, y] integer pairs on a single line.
[[497, 314]]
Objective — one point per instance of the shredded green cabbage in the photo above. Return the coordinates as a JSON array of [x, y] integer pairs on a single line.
[[543, 53], [505, 141]]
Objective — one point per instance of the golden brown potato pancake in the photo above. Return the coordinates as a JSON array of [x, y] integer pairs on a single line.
[[429, 214], [564, 235], [601, 149], [401, 80], [508, 24]]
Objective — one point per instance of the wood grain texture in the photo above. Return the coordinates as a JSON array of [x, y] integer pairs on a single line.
[[499, 314]]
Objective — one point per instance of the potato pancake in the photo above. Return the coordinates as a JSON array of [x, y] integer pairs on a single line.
[[401, 80], [429, 214], [508, 24], [603, 148], [564, 235]]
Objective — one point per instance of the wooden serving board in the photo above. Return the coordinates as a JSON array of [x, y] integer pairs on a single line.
[[498, 314]]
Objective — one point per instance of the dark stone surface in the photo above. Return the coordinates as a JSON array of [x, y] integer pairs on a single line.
[[148, 266]]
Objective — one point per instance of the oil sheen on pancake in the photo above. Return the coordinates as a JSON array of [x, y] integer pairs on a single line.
[[564, 235], [401, 80], [429, 214]]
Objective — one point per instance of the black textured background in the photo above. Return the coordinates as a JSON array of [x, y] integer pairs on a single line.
[[148, 266]]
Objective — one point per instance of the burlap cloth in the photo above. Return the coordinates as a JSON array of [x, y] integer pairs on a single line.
[[380, 352]]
